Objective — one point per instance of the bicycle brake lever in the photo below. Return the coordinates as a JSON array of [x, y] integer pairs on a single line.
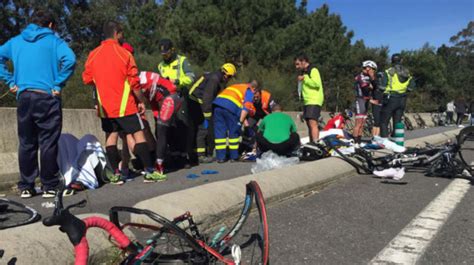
[[80, 204]]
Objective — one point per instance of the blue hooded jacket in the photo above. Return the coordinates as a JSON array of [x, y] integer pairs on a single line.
[[41, 60]]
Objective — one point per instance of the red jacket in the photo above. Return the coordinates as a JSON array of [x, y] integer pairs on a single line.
[[112, 70], [155, 89]]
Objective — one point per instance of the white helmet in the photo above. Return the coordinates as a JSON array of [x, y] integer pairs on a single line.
[[370, 64]]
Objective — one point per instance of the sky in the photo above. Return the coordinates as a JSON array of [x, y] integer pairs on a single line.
[[401, 24]]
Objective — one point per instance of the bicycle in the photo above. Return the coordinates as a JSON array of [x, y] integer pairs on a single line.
[[438, 119], [13, 214], [169, 243], [446, 160]]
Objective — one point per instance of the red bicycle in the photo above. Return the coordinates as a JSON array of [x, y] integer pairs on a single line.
[[171, 242]]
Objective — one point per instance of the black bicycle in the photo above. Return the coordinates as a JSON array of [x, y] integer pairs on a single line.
[[447, 160], [14, 214]]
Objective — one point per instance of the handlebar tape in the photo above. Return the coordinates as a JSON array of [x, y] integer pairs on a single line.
[[82, 249]]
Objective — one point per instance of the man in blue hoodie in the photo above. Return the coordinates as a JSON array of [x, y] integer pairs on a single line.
[[42, 62]]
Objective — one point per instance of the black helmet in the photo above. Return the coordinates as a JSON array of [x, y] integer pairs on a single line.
[[396, 58]]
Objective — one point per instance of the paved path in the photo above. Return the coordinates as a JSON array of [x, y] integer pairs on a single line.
[[360, 219], [102, 199]]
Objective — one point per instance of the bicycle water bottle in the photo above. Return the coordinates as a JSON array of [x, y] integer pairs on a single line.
[[399, 134]]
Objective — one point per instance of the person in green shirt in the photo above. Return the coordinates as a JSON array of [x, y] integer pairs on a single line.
[[277, 133], [310, 88]]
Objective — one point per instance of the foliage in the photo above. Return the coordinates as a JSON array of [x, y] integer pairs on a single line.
[[260, 37]]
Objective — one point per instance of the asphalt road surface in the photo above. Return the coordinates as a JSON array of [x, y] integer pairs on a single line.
[[353, 220], [102, 199]]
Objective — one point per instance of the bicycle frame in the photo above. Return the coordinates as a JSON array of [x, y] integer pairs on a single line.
[[202, 253]]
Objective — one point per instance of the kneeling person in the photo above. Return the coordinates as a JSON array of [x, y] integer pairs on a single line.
[[277, 133]]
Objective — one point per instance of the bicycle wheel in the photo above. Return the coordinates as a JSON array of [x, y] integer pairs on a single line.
[[159, 240], [249, 232], [465, 140], [14, 214]]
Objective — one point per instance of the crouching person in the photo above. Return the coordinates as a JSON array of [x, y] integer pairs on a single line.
[[165, 104], [277, 133]]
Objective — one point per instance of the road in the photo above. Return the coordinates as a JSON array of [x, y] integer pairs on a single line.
[[102, 199], [353, 220]]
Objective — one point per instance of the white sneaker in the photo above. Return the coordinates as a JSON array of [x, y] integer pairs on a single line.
[[400, 174], [393, 146]]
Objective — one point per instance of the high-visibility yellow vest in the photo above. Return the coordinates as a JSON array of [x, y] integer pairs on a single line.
[[174, 70], [394, 84]]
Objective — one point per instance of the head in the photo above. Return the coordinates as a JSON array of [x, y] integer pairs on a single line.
[[369, 67], [113, 30], [255, 86], [301, 62], [396, 58], [44, 18], [167, 49], [277, 108], [128, 47], [257, 96], [229, 71]]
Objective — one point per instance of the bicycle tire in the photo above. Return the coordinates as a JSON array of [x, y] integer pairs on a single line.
[[190, 252], [262, 212], [13, 214], [251, 237], [465, 142]]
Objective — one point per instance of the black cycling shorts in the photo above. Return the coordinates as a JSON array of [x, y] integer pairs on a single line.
[[128, 124], [361, 106], [312, 112], [376, 110]]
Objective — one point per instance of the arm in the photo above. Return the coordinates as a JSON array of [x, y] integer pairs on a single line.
[[293, 126], [5, 55], [87, 77], [210, 92], [188, 78], [313, 80], [67, 62], [247, 106], [134, 81]]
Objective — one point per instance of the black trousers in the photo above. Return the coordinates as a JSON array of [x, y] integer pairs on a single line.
[[203, 131], [39, 118], [459, 118], [450, 115], [393, 106], [282, 149]]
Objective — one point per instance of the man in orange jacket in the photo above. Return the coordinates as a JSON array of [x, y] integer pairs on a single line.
[[231, 107], [113, 72]]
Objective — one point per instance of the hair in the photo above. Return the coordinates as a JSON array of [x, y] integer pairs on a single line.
[[110, 28], [255, 84], [43, 18], [277, 107], [302, 57]]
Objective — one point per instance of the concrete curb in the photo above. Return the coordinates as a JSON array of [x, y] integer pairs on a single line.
[[207, 203]]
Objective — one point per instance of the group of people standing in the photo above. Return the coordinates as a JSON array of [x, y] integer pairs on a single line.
[[386, 94], [194, 117]]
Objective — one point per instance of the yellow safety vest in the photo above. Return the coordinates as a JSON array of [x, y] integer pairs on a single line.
[[173, 70], [394, 84]]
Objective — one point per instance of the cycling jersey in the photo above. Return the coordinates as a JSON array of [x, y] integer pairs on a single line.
[[363, 86]]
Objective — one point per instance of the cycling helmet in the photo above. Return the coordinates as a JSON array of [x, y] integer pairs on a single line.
[[229, 69], [396, 58], [370, 64]]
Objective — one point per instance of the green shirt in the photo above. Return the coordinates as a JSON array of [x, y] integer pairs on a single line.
[[277, 127]]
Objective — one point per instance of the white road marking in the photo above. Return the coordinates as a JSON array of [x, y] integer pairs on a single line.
[[410, 244]]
